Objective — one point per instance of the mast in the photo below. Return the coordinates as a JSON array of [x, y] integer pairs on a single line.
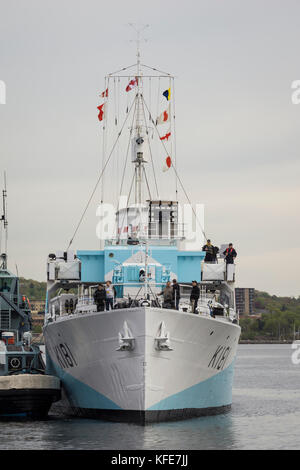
[[4, 224], [139, 138]]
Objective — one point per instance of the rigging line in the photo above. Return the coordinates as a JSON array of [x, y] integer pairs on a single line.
[[105, 131], [115, 133], [180, 182], [152, 162], [150, 99], [147, 183], [127, 153], [94, 190], [118, 147], [121, 70], [156, 70], [2, 221], [158, 93], [193, 210], [171, 122], [115, 103], [118, 100], [174, 135], [1, 228], [103, 136], [125, 212], [138, 76], [5, 213]]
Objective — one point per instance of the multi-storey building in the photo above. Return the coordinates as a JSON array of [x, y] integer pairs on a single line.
[[244, 299]]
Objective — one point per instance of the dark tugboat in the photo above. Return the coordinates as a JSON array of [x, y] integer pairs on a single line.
[[25, 390]]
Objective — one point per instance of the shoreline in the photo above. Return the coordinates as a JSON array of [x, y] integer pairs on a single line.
[[249, 341]]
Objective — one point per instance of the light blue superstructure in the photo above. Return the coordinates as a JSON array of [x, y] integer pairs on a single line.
[[96, 265]]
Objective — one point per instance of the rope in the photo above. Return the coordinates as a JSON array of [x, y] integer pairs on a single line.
[[128, 197], [153, 168], [104, 142], [180, 182], [158, 90], [147, 183], [121, 70], [150, 100], [174, 128], [98, 181], [156, 70]]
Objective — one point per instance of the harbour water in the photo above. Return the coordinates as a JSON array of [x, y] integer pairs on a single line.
[[265, 415]]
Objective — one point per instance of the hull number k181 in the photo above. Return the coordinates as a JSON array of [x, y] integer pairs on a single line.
[[219, 357]]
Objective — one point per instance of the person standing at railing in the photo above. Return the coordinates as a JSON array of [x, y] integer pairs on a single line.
[[176, 293], [110, 295], [100, 298], [194, 297], [167, 292], [230, 254], [210, 252]]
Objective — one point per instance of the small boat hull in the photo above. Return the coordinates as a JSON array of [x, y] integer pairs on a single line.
[[28, 395]]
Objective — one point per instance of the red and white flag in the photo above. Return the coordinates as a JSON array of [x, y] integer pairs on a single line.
[[168, 164], [132, 84], [104, 94], [166, 137], [101, 114], [164, 117]]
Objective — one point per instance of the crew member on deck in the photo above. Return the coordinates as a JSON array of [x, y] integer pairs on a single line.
[[110, 294], [100, 298], [168, 295], [194, 297], [176, 293], [230, 254], [211, 252]]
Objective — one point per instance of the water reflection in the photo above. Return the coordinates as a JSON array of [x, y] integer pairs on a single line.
[[265, 415]]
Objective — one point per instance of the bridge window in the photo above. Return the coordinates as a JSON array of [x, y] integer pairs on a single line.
[[5, 285]]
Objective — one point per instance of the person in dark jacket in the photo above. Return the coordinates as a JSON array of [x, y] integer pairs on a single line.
[[230, 254], [167, 292], [211, 252], [195, 294], [100, 298], [176, 293]]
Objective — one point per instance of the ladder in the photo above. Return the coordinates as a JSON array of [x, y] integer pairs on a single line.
[[5, 319]]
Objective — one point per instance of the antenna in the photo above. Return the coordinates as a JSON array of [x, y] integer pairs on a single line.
[[138, 31], [3, 255]]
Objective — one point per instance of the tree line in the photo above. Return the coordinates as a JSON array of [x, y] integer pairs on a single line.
[[279, 321]]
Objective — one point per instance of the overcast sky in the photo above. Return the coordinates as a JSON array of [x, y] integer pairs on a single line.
[[237, 129]]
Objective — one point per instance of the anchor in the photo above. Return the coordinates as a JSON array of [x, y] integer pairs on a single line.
[[126, 340], [162, 339]]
